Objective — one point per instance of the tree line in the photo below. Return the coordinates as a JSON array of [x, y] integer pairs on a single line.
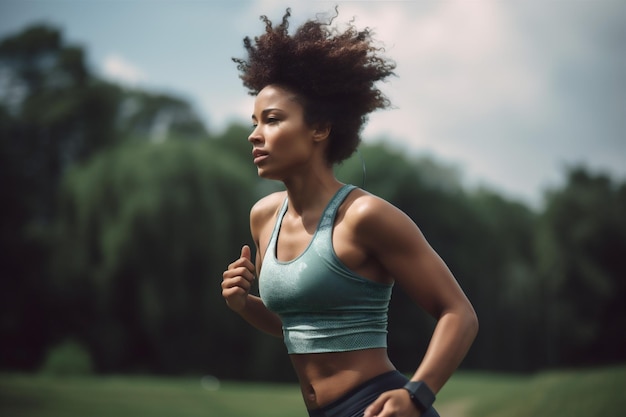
[[120, 210]]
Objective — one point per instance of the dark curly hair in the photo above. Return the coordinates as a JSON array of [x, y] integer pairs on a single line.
[[332, 73]]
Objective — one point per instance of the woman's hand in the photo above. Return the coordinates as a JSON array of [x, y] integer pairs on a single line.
[[396, 403], [237, 280]]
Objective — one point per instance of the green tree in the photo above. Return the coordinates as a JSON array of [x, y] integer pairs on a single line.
[[581, 242], [509, 290], [52, 114], [55, 113], [144, 235]]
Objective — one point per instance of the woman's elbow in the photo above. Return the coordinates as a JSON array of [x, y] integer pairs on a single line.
[[471, 322]]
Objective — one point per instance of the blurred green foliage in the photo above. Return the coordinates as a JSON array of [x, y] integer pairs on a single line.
[[121, 210], [68, 358], [142, 236], [581, 256]]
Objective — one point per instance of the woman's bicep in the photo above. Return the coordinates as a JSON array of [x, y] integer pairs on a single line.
[[404, 253]]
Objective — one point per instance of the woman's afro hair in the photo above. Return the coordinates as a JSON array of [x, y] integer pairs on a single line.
[[333, 73]]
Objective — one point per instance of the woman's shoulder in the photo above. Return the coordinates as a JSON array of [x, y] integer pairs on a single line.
[[363, 205], [267, 207], [367, 212]]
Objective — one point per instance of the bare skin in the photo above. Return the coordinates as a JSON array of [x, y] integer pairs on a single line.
[[370, 236]]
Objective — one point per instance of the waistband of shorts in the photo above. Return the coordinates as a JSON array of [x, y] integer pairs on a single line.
[[379, 384]]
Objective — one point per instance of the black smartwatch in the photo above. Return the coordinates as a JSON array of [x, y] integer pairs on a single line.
[[420, 394]]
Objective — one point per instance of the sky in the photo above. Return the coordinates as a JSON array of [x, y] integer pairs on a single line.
[[510, 92]]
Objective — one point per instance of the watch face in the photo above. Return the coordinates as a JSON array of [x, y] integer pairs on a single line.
[[425, 397], [420, 394]]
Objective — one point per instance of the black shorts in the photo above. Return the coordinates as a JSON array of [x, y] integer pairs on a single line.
[[354, 403]]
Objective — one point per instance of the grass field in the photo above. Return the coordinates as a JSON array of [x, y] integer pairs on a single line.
[[587, 393], [580, 393]]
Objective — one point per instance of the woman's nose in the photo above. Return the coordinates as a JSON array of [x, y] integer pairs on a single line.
[[255, 136]]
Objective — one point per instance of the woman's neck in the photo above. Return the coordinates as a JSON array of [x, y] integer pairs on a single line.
[[311, 193]]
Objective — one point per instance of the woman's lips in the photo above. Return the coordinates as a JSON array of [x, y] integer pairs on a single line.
[[259, 155]]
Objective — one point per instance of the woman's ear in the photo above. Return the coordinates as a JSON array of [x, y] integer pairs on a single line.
[[321, 132]]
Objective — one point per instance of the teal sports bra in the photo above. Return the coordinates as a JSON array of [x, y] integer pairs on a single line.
[[323, 305]]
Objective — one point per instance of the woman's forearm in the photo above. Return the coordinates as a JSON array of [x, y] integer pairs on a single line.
[[453, 335], [260, 317]]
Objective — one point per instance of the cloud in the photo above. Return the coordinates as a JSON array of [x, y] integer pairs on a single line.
[[457, 62], [119, 69]]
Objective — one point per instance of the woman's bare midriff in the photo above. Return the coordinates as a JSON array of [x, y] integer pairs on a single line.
[[325, 377]]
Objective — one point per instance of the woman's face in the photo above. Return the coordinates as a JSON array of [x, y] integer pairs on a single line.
[[283, 144]]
